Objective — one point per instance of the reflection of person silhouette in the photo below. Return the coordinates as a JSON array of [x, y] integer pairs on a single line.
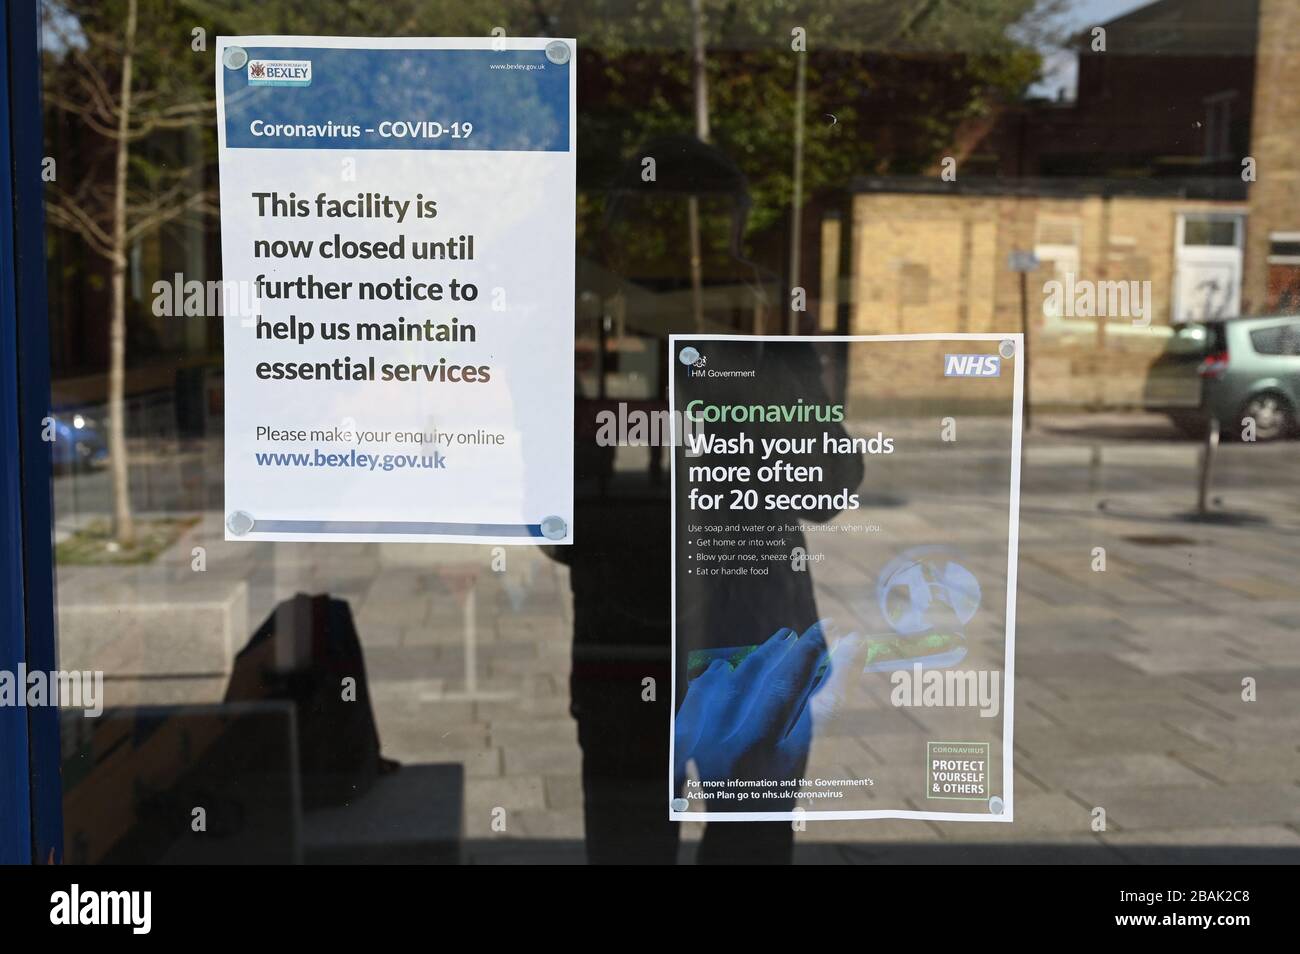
[[304, 650], [620, 576]]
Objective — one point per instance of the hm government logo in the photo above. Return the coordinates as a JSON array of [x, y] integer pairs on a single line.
[[694, 361], [279, 72], [972, 366]]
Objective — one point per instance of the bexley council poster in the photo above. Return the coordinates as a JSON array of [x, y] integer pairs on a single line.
[[397, 216]]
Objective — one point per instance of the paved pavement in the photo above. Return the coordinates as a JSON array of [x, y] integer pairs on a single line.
[[1129, 683]]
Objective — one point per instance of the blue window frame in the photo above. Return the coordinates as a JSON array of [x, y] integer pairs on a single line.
[[30, 790]]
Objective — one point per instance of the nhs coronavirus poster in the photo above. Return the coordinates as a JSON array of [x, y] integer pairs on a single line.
[[397, 219], [845, 522]]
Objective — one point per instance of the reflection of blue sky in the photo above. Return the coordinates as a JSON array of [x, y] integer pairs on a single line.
[[1061, 67], [61, 31]]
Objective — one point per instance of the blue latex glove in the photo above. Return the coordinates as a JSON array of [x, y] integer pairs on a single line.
[[754, 721]]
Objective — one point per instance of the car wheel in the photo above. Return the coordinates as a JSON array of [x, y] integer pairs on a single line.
[[1272, 414]]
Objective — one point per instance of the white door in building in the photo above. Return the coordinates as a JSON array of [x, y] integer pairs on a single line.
[[1207, 266]]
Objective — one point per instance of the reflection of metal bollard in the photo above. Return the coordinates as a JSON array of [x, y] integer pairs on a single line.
[[1094, 468], [1207, 465]]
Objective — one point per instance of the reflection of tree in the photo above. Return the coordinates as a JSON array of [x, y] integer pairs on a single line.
[[130, 92], [899, 77], [136, 98]]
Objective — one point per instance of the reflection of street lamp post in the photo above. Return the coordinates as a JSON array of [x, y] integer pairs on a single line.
[[701, 85], [1024, 261], [76, 501], [1024, 328], [796, 207], [1207, 465]]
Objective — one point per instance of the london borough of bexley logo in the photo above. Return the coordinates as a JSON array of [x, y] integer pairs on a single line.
[[279, 72]]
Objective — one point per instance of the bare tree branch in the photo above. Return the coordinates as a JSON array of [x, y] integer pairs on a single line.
[[154, 123], [100, 100], [205, 107], [162, 216], [85, 114], [72, 217], [90, 71], [149, 206]]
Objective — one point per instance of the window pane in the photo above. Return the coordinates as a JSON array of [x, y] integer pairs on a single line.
[[832, 170]]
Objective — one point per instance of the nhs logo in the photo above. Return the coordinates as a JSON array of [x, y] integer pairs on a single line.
[[279, 72], [972, 366]]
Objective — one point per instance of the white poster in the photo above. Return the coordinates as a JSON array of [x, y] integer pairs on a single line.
[[846, 515], [397, 220]]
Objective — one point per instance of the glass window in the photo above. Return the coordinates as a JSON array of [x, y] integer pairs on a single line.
[[1209, 232], [753, 169], [1268, 340]]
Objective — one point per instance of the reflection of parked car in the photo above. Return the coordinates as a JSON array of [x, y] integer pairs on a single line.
[[1231, 370], [78, 443]]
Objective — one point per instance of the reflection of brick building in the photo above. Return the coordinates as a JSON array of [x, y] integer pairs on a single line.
[[1170, 96], [933, 256], [1273, 230], [1138, 180]]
